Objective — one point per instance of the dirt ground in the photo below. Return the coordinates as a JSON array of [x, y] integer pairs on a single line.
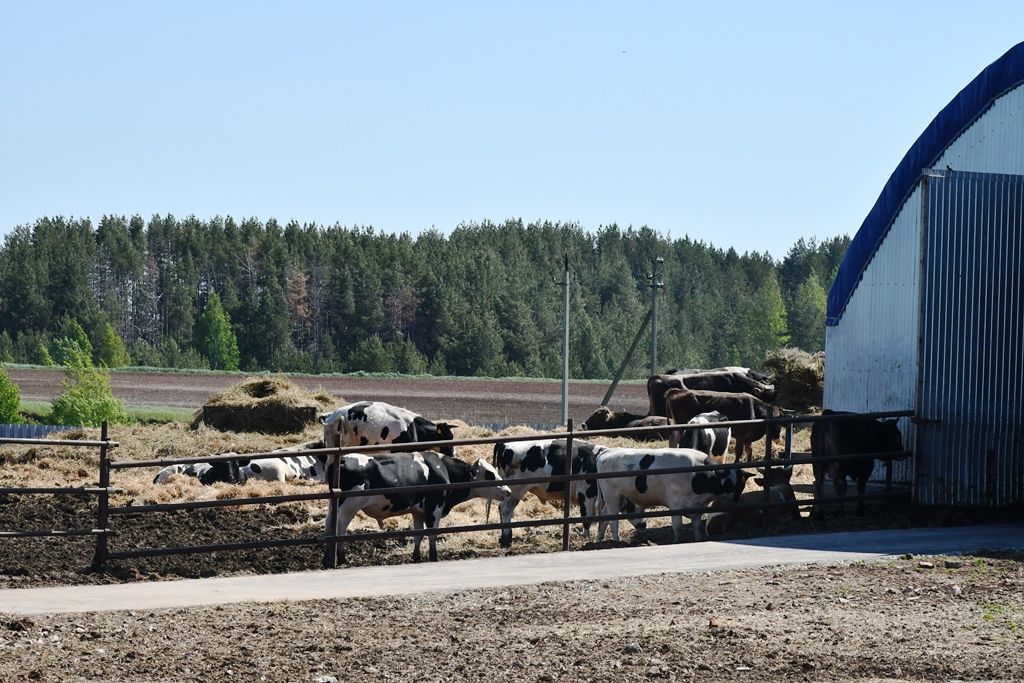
[[900, 620], [477, 401]]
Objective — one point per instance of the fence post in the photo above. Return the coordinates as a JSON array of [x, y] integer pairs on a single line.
[[567, 499], [333, 484], [767, 472], [103, 501]]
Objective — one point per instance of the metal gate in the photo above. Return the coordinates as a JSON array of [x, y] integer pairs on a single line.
[[971, 359]]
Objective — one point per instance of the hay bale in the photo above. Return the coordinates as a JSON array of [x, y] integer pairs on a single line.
[[263, 404], [799, 377]]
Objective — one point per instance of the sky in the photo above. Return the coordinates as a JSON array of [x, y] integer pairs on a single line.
[[745, 125]]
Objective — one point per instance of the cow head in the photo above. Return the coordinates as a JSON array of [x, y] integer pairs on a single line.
[[332, 428], [599, 419], [892, 439], [222, 470], [483, 471], [444, 433]]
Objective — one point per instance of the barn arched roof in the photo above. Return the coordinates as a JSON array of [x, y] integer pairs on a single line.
[[999, 77]]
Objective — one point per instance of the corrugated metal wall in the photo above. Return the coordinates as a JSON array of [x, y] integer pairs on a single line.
[[871, 355], [24, 431], [972, 341]]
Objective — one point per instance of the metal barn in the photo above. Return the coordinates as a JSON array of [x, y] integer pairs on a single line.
[[927, 308]]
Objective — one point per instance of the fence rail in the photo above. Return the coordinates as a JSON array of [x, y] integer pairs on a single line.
[[335, 495]]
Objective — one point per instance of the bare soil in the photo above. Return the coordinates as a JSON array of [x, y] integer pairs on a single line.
[[476, 401], [877, 621]]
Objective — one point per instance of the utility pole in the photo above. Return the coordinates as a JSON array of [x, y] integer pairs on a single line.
[[655, 285], [565, 342]]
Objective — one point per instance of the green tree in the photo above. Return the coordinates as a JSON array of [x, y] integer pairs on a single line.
[[109, 349], [6, 347], [41, 355], [807, 319], [766, 320], [214, 338], [73, 333], [369, 355], [87, 399], [10, 399]]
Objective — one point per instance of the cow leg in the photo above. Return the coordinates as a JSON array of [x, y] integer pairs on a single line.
[[839, 486], [435, 523], [506, 508], [696, 521], [581, 500], [639, 523], [611, 507], [345, 516], [862, 484], [417, 524]]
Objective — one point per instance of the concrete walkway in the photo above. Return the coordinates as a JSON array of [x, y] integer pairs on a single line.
[[358, 582]]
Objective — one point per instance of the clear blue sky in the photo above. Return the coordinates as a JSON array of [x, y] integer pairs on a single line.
[[742, 124]]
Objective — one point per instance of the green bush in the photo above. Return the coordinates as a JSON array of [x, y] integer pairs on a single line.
[[110, 349], [87, 399], [41, 355], [10, 399]]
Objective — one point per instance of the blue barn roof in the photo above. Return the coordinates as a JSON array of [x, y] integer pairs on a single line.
[[1002, 75]]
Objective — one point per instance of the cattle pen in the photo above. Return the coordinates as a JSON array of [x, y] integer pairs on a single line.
[[105, 529]]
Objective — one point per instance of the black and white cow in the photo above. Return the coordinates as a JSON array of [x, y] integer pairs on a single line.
[[192, 470], [311, 467], [679, 490], [369, 423], [227, 471], [528, 459], [711, 440], [361, 472], [849, 437]]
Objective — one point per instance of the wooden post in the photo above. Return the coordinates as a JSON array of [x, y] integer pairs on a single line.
[[102, 502], [567, 497], [767, 472]]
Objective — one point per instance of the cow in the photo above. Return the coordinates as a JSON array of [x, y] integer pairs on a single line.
[[227, 471], [710, 440], [675, 491], [312, 467], [360, 472], [684, 405], [849, 437], [191, 470], [777, 481], [529, 459], [368, 423], [606, 418], [749, 372], [725, 382]]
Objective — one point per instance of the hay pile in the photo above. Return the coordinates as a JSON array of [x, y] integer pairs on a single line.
[[799, 377], [270, 405]]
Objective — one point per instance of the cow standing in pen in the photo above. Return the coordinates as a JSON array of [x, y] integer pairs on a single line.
[[850, 437], [360, 472]]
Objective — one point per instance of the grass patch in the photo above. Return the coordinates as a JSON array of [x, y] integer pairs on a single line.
[[39, 412]]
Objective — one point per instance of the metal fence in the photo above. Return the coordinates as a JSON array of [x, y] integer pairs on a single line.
[[335, 495], [27, 431], [102, 493]]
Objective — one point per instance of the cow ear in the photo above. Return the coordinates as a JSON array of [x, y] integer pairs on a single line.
[[759, 481], [322, 417]]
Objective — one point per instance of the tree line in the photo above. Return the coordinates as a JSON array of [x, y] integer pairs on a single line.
[[482, 300]]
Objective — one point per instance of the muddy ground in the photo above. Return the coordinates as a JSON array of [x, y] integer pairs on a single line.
[[901, 619]]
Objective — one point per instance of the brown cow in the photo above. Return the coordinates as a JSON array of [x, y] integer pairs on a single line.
[[726, 382], [606, 418], [684, 405]]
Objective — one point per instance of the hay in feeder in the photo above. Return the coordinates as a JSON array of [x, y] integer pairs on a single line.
[[799, 377], [271, 405]]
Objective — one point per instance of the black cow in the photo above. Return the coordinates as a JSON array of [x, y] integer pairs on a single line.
[[730, 382], [849, 437], [606, 418], [361, 472], [684, 405]]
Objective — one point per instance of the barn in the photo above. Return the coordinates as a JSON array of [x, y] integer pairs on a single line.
[[927, 308]]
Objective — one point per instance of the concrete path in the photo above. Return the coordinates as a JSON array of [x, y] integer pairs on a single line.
[[517, 570]]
